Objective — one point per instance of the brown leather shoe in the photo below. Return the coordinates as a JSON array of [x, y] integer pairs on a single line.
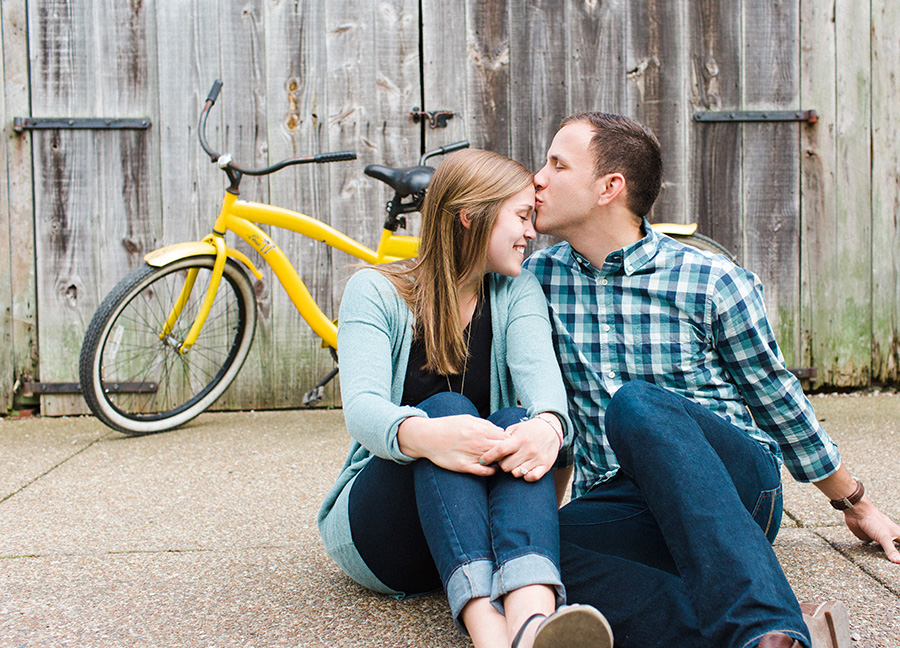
[[828, 623], [778, 640]]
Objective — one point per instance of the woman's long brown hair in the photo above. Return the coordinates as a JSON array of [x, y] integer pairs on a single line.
[[475, 182]]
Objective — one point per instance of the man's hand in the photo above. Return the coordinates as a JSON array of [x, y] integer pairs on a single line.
[[869, 524], [864, 520]]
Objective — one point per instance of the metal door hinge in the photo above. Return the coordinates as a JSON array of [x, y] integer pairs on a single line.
[[755, 116], [75, 388], [804, 373], [436, 118], [21, 124]]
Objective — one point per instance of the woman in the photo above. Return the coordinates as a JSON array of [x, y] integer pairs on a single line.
[[447, 480]]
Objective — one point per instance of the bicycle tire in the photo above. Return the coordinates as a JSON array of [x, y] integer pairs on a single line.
[[123, 345], [705, 243]]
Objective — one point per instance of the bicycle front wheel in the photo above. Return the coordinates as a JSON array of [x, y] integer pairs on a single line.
[[134, 377]]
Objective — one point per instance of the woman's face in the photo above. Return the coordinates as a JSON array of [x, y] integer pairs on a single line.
[[513, 229]]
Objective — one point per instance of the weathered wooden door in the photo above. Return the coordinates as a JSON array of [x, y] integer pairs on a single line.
[[797, 201], [299, 77]]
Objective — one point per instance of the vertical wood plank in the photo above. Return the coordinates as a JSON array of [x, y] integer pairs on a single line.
[[372, 49], [817, 173], [466, 50], [841, 316], [537, 78], [488, 49], [771, 170], [885, 192], [189, 60], [445, 72], [538, 85], [244, 121], [7, 357], [714, 150], [295, 48], [95, 210], [19, 197], [596, 41], [657, 93]]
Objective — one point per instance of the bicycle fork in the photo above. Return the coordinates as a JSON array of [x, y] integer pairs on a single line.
[[215, 278]]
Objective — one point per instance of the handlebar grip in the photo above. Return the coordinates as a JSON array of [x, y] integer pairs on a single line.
[[214, 91], [337, 156], [456, 146]]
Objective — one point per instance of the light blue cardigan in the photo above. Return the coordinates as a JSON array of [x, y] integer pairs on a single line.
[[374, 335]]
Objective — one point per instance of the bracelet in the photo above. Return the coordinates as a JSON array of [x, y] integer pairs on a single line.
[[847, 503], [558, 432]]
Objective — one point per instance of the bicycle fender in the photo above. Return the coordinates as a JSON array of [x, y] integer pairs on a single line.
[[166, 255], [675, 228]]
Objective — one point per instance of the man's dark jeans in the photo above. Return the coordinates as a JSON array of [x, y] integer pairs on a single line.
[[675, 550]]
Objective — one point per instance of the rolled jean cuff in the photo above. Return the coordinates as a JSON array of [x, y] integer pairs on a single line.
[[468, 581], [528, 569]]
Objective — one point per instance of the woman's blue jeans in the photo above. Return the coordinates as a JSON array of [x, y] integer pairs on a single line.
[[675, 550], [482, 536]]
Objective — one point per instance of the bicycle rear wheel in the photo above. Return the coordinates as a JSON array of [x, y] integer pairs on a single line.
[[133, 377]]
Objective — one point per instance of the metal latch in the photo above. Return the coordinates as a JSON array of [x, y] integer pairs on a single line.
[[436, 119], [756, 116], [21, 124]]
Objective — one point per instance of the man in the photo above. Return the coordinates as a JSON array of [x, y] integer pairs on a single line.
[[682, 409]]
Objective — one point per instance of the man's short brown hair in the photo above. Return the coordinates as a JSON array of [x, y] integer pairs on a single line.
[[623, 145]]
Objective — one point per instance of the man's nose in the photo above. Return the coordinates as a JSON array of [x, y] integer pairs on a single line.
[[539, 178]]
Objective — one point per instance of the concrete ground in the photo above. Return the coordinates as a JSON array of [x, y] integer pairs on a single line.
[[206, 536]]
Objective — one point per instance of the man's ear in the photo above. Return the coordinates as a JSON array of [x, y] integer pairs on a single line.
[[609, 187], [465, 219]]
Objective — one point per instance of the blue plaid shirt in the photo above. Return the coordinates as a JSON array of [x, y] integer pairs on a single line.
[[686, 320]]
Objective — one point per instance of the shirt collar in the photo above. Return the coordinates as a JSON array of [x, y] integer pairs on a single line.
[[629, 259]]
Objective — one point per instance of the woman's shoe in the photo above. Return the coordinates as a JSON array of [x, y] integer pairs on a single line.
[[571, 626]]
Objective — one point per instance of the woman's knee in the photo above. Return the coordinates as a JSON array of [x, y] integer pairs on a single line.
[[508, 416], [447, 404]]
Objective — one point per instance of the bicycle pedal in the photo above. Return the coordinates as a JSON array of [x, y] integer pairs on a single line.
[[314, 396]]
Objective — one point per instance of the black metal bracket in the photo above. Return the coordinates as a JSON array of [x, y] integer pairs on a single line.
[[756, 116], [21, 124], [805, 373], [75, 388], [436, 119]]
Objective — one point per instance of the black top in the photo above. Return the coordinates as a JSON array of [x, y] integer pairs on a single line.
[[475, 381]]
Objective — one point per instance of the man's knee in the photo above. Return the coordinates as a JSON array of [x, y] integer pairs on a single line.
[[634, 408]]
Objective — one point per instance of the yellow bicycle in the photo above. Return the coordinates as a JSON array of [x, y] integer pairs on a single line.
[[173, 334]]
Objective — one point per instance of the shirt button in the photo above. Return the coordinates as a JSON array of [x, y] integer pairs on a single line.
[[630, 268], [611, 374], [604, 281], [606, 327]]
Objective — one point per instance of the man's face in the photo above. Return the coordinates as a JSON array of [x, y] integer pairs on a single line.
[[566, 188]]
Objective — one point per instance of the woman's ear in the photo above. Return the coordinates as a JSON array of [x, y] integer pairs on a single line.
[[465, 219]]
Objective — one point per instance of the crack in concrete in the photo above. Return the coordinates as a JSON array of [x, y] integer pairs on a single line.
[[52, 468]]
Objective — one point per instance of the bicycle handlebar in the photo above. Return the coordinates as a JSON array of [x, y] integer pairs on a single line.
[[214, 91], [450, 148], [321, 158]]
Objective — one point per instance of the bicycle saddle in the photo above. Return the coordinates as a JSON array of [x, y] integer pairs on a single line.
[[405, 181]]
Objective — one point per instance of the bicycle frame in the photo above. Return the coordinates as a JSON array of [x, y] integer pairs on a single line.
[[241, 217]]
